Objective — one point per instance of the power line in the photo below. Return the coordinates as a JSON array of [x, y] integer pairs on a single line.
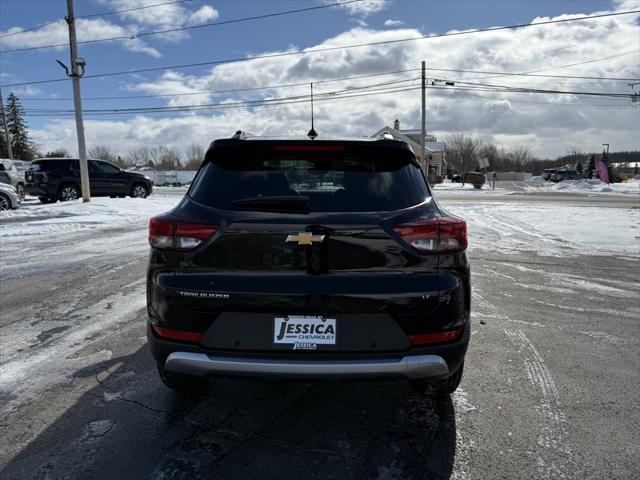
[[30, 29], [270, 87], [327, 49], [533, 74], [342, 94], [191, 27], [234, 90], [277, 103], [344, 47], [304, 97], [467, 85]]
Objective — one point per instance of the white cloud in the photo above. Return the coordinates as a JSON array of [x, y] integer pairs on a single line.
[[167, 15], [87, 29], [26, 91], [157, 18], [542, 122], [204, 14], [174, 82], [162, 17], [393, 23], [365, 7]]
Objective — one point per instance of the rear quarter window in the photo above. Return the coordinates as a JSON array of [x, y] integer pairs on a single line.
[[56, 166]]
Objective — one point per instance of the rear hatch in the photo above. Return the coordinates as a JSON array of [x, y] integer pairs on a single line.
[[40, 170], [300, 235]]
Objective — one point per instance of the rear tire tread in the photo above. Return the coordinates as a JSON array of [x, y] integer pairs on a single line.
[[439, 388], [177, 381]]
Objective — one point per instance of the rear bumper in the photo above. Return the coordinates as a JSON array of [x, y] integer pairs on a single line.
[[39, 190], [411, 367], [433, 362]]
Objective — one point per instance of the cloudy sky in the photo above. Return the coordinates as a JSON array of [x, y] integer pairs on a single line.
[[210, 101]]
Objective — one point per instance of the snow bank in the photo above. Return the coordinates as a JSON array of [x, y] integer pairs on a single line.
[[551, 230], [597, 186], [38, 219]]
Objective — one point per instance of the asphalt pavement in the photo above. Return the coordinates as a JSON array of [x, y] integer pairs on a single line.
[[551, 386]]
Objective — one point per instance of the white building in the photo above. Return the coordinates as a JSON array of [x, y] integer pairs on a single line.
[[435, 162]]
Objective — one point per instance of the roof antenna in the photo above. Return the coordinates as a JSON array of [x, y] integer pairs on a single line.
[[312, 133]]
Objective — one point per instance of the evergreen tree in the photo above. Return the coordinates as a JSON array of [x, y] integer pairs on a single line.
[[591, 166], [23, 148], [4, 152]]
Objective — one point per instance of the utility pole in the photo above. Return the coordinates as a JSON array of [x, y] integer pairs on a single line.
[[75, 80], [6, 129], [423, 130]]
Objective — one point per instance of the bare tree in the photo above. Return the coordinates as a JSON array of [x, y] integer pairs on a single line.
[[141, 157], [194, 154], [519, 156], [463, 152], [102, 152], [168, 158], [491, 154]]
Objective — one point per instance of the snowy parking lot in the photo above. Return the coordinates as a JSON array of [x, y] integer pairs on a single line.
[[552, 367]]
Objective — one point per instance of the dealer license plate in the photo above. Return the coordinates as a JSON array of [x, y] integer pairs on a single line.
[[304, 332]]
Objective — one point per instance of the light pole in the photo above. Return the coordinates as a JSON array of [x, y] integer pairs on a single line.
[[75, 80], [607, 145]]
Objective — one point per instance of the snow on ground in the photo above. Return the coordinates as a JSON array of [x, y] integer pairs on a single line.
[[35, 239], [550, 229], [509, 226], [34, 218], [585, 186], [629, 187], [468, 188], [107, 236]]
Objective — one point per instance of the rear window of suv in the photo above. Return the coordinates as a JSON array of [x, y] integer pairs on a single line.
[[335, 178], [55, 165]]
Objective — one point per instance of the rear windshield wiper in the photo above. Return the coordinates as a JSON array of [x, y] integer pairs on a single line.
[[283, 204]]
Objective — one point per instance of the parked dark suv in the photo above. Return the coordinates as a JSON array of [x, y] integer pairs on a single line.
[[52, 179], [309, 259]]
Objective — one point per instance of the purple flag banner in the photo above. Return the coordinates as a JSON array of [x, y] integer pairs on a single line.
[[602, 171]]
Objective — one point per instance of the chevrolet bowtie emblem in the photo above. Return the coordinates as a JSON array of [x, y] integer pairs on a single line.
[[304, 238]]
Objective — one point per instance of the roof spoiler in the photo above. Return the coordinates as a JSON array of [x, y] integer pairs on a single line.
[[241, 134]]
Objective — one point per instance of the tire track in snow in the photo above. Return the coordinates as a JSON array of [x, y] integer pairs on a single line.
[[464, 444], [552, 436], [28, 373]]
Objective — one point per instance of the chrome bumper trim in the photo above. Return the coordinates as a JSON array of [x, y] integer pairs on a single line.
[[412, 366]]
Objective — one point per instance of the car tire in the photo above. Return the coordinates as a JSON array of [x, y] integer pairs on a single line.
[[177, 381], [20, 190], [440, 387], [47, 200], [5, 202], [139, 190], [69, 191]]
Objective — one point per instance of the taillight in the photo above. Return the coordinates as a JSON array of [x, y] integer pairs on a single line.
[[182, 335], [436, 337], [167, 232], [435, 235]]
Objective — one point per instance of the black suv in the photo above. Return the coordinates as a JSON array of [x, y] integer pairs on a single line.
[[52, 179], [309, 259]]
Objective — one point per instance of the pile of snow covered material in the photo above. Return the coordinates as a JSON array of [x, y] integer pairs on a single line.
[[33, 218], [594, 185]]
